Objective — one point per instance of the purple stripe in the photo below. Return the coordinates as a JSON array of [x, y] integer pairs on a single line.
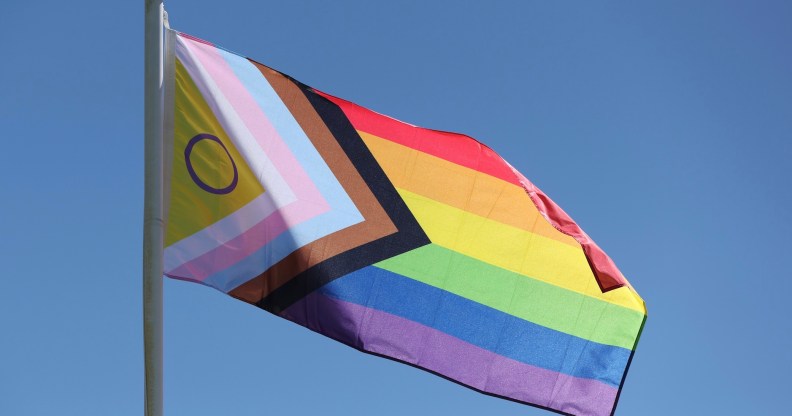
[[382, 333]]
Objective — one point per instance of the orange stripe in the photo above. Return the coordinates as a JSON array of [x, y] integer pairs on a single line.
[[461, 187]]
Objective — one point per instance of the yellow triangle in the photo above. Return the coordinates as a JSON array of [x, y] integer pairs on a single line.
[[209, 193]]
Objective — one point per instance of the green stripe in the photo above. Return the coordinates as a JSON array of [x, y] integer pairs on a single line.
[[526, 298]]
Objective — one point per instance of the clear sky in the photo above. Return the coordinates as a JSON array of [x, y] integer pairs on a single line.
[[663, 128]]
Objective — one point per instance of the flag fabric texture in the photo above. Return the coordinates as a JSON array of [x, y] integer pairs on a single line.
[[418, 245]]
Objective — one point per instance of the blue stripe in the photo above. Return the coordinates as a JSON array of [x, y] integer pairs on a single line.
[[481, 325], [289, 129]]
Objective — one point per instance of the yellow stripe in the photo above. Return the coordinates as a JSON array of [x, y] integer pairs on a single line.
[[461, 187], [513, 249]]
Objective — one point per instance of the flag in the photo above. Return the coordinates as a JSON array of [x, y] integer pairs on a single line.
[[418, 245]]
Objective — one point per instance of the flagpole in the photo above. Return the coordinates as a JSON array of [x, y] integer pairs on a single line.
[[153, 208]]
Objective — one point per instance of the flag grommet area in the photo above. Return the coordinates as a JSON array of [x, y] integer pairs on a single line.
[[417, 245]]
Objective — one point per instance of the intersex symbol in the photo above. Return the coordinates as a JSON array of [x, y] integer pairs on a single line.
[[206, 187]]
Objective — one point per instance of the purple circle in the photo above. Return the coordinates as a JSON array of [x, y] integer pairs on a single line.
[[194, 176]]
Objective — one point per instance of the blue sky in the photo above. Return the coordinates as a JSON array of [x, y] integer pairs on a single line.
[[663, 128]]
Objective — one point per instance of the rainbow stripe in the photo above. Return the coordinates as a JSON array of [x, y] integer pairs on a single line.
[[422, 246]]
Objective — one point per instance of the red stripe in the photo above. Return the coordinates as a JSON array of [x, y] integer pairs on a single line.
[[453, 147]]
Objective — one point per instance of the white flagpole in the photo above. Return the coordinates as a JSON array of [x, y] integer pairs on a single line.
[[153, 208]]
